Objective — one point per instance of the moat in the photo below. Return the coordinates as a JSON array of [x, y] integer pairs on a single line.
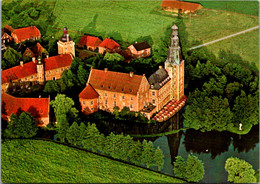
[[213, 147]]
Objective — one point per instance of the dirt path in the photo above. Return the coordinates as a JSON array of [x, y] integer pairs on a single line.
[[223, 38]]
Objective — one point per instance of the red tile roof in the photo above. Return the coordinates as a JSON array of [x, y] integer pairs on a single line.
[[90, 41], [88, 93], [109, 43], [9, 28], [37, 49], [38, 107], [30, 68], [115, 81], [58, 61], [18, 72], [181, 5], [28, 52], [27, 33]]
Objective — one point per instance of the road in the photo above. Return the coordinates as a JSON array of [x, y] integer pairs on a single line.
[[223, 38]]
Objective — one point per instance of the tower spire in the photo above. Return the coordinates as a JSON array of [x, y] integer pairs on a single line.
[[174, 51]]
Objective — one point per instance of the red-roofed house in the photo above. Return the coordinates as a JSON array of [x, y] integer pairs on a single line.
[[34, 52], [116, 89], [27, 33], [36, 71], [89, 99], [6, 34], [38, 107], [89, 42], [109, 45], [180, 6]]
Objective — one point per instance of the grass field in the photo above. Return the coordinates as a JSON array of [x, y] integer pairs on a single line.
[[36, 161], [129, 20], [244, 7], [248, 51]]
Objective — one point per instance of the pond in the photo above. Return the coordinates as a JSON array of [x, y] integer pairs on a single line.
[[213, 147]]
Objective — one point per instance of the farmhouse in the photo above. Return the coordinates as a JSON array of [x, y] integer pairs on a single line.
[[89, 42], [34, 72], [106, 89], [38, 107], [27, 33], [109, 45], [180, 6], [142, 49]]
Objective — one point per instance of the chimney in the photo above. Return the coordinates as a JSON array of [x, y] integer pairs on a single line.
[[135, 42], [68, 38], [47, 56], [105, 69], [40, 96], [21, 63], [131, 74], [33, 59], [160, 67]]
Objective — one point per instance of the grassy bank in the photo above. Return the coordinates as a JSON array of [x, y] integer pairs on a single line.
[[36, 161]]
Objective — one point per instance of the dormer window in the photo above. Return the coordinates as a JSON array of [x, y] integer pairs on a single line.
[[108, 87], [101, 86], [122, 89], [130, 90]]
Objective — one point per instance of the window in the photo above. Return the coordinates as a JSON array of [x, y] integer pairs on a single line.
[[102, 86], [123, 97], [130, 90], [32, 77], [49, 72], [105, 94], [105, 102], [61, 69], [108, 87], [83, 102], [25, 78], [131, 98], [92, 109], [122, 89], [91, 103], [131, 106], [114, 103], [153, 101], [153, 93], [114, 95]]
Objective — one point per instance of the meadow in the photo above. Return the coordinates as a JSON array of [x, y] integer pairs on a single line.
[[130, 20], [244, 7], [249, 51], [37, 161]]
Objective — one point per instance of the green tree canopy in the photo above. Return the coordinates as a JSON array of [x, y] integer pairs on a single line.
[[239, 171], [73, 134], [192, 170], [21, 126], [159, 158], [11, 58]]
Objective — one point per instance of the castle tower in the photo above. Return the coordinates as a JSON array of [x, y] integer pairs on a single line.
[[40, 71], [65, 44], [175, 66]]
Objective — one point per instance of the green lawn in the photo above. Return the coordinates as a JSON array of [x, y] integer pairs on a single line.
[[36, 161], [247, 47], [244, 7]]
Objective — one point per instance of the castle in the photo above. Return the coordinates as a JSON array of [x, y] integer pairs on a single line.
[[106, 89]]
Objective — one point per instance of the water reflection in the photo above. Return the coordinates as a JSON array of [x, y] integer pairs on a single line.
[[245, 143], [212, 142], [174, 141]]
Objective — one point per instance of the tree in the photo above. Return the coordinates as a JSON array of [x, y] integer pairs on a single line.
[[159, 158], [192, 170], [11, 58], [62, 127], [113, 57], [239, 171], [51, 87], [135, 152], [147, 153], [82, 75], [73, 134], [93, 139], [21, 126], [63, 106]]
